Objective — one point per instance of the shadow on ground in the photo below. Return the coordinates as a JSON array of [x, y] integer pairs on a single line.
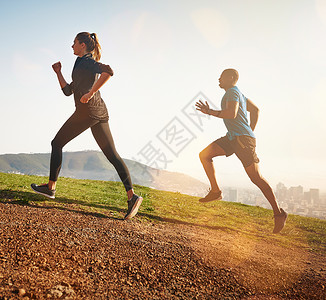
[[25, 198]]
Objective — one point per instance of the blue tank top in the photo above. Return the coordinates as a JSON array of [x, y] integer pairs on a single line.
[[239, 125]]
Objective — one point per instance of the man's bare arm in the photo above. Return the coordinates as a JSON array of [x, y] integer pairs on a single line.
[[230, 112], [254, 113]]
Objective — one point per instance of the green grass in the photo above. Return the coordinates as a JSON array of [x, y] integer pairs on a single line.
[[108, 199]]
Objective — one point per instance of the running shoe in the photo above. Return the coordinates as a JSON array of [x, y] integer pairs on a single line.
[[44, 190], [211, 196], [133, 206], [279, 221]]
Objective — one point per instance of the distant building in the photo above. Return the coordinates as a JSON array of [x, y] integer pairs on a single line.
[[314, 194], [307, 196], [296, 193], [281, 191], [233, 195]]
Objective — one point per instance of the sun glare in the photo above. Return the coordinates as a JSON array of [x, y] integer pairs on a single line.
[[321, 10], [213, 26]]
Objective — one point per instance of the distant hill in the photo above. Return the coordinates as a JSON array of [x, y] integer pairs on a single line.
[[94, 165]]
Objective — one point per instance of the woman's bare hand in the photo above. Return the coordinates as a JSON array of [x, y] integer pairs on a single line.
[[57, 67], [86, 97]]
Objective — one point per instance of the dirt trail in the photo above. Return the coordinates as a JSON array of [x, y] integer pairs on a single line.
[[53, 253]]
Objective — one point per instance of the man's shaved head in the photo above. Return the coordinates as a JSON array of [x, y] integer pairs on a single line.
[[232, 72]]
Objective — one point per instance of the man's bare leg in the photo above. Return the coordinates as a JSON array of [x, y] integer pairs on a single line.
[[255, 176], [206, 157]]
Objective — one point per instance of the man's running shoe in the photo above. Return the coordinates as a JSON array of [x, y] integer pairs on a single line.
[[279, 221], [211, 196], [44, 190], [133, 206]]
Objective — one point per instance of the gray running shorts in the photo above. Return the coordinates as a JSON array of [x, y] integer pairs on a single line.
[[243, 146]]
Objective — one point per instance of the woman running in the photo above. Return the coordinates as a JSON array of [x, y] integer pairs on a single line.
[[90, 112]]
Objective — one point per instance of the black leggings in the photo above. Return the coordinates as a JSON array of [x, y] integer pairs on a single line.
[[75, 125]]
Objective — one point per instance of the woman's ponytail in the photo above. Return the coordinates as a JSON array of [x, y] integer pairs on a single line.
[[97, 47], [92, 44]]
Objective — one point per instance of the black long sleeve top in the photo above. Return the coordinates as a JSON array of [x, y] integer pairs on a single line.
[[84, 75]]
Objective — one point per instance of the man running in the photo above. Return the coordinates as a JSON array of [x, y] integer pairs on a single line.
[[240, 139]]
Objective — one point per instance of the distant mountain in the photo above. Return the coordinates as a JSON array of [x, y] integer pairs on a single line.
[[94, 165]]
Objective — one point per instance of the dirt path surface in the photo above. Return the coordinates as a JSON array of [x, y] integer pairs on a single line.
[[64, 253]]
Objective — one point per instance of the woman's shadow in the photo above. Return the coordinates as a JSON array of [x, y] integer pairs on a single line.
[[31, 199]]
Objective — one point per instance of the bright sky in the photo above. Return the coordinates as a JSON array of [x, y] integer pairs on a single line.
[[164, 53]]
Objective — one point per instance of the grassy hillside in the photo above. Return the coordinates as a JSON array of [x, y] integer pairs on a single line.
[[108, 198]]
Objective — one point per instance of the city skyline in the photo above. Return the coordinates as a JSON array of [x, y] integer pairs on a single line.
[[294, 200]]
